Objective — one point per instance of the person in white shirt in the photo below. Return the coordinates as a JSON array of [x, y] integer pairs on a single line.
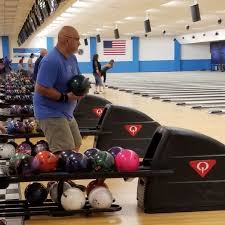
[[30, 64]]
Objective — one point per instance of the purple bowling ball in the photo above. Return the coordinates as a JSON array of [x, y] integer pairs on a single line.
[[78, 162], [115, 150], [63, 157]]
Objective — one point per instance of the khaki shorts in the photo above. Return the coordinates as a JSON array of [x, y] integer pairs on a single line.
[[61, 134]]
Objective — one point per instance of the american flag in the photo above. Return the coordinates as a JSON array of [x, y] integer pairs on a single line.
[[115, 47]]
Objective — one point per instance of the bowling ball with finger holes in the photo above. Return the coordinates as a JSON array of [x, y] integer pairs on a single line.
[[100, 198], [36, 193], [91, 152], [73, 199], [46, 161], [78, 162], [127, 161], [79, 85]]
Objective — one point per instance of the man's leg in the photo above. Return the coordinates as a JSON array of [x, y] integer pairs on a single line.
[[58, 134], [76, 134]]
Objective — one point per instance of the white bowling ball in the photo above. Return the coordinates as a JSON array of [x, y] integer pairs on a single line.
[[7, 151], [53, 190], [73, 199], [100, 197]]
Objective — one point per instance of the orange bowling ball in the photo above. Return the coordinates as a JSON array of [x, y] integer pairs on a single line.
[[46, 161]]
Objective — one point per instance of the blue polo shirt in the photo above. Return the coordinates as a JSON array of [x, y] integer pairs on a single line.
[[54, 72]]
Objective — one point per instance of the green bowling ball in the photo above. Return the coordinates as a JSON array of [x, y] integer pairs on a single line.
[[104, 161], [79, 85]]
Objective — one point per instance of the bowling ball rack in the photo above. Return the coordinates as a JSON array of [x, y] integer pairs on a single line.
[[23, 208]]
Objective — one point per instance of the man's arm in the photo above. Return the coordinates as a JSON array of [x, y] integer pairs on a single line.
[[53, 94]]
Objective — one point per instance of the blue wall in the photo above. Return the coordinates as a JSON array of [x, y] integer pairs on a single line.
[[135, 65], [5, 46], [193, 65], [50, 43]]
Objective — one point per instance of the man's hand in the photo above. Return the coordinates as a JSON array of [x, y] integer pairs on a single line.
[[73, 97]]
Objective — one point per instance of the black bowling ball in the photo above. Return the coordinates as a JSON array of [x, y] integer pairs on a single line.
[[36, 193], [79, 85]]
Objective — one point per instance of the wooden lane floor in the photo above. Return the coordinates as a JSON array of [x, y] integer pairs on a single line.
[[174, 87]]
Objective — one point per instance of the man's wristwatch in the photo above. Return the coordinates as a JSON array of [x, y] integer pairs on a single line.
[[63, 98]]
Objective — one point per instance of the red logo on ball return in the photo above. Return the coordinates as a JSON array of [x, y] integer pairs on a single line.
[[202, 167], [133, 129], [98, 111]]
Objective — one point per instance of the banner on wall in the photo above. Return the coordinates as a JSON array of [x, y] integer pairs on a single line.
[[19, 52], [217, 50], [114, 47]]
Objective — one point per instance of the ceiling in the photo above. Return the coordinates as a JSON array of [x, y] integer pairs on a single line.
[[13, 13], [102, 16]]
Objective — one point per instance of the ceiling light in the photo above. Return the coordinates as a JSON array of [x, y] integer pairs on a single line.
[[80, 4], [181, 21], [173, 4], [129, 34], [130, 18], [152, 10], [72, 10], [59, 18], [107, 27], [66, 15], [119, 22]]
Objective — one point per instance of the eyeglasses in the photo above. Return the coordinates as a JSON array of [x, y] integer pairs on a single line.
[[75, 38]]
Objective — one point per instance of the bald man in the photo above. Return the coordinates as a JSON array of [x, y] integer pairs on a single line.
[[53, 105], [43, 52]]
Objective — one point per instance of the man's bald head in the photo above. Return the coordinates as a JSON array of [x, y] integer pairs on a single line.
[[68, 40], [67, 31], [43, 52]]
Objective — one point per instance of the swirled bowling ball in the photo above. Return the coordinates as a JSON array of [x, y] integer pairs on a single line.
[[47, 161], [79, 85], [21, 164], [24, 148], [127, 161], [104, 161]]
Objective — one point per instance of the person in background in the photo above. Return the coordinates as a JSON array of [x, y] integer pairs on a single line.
[[2, 129], [2, 67], [21, 65], [43, 53], [53, 104], [7, 64], [97, 74], [106, 67], [30, 64]]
